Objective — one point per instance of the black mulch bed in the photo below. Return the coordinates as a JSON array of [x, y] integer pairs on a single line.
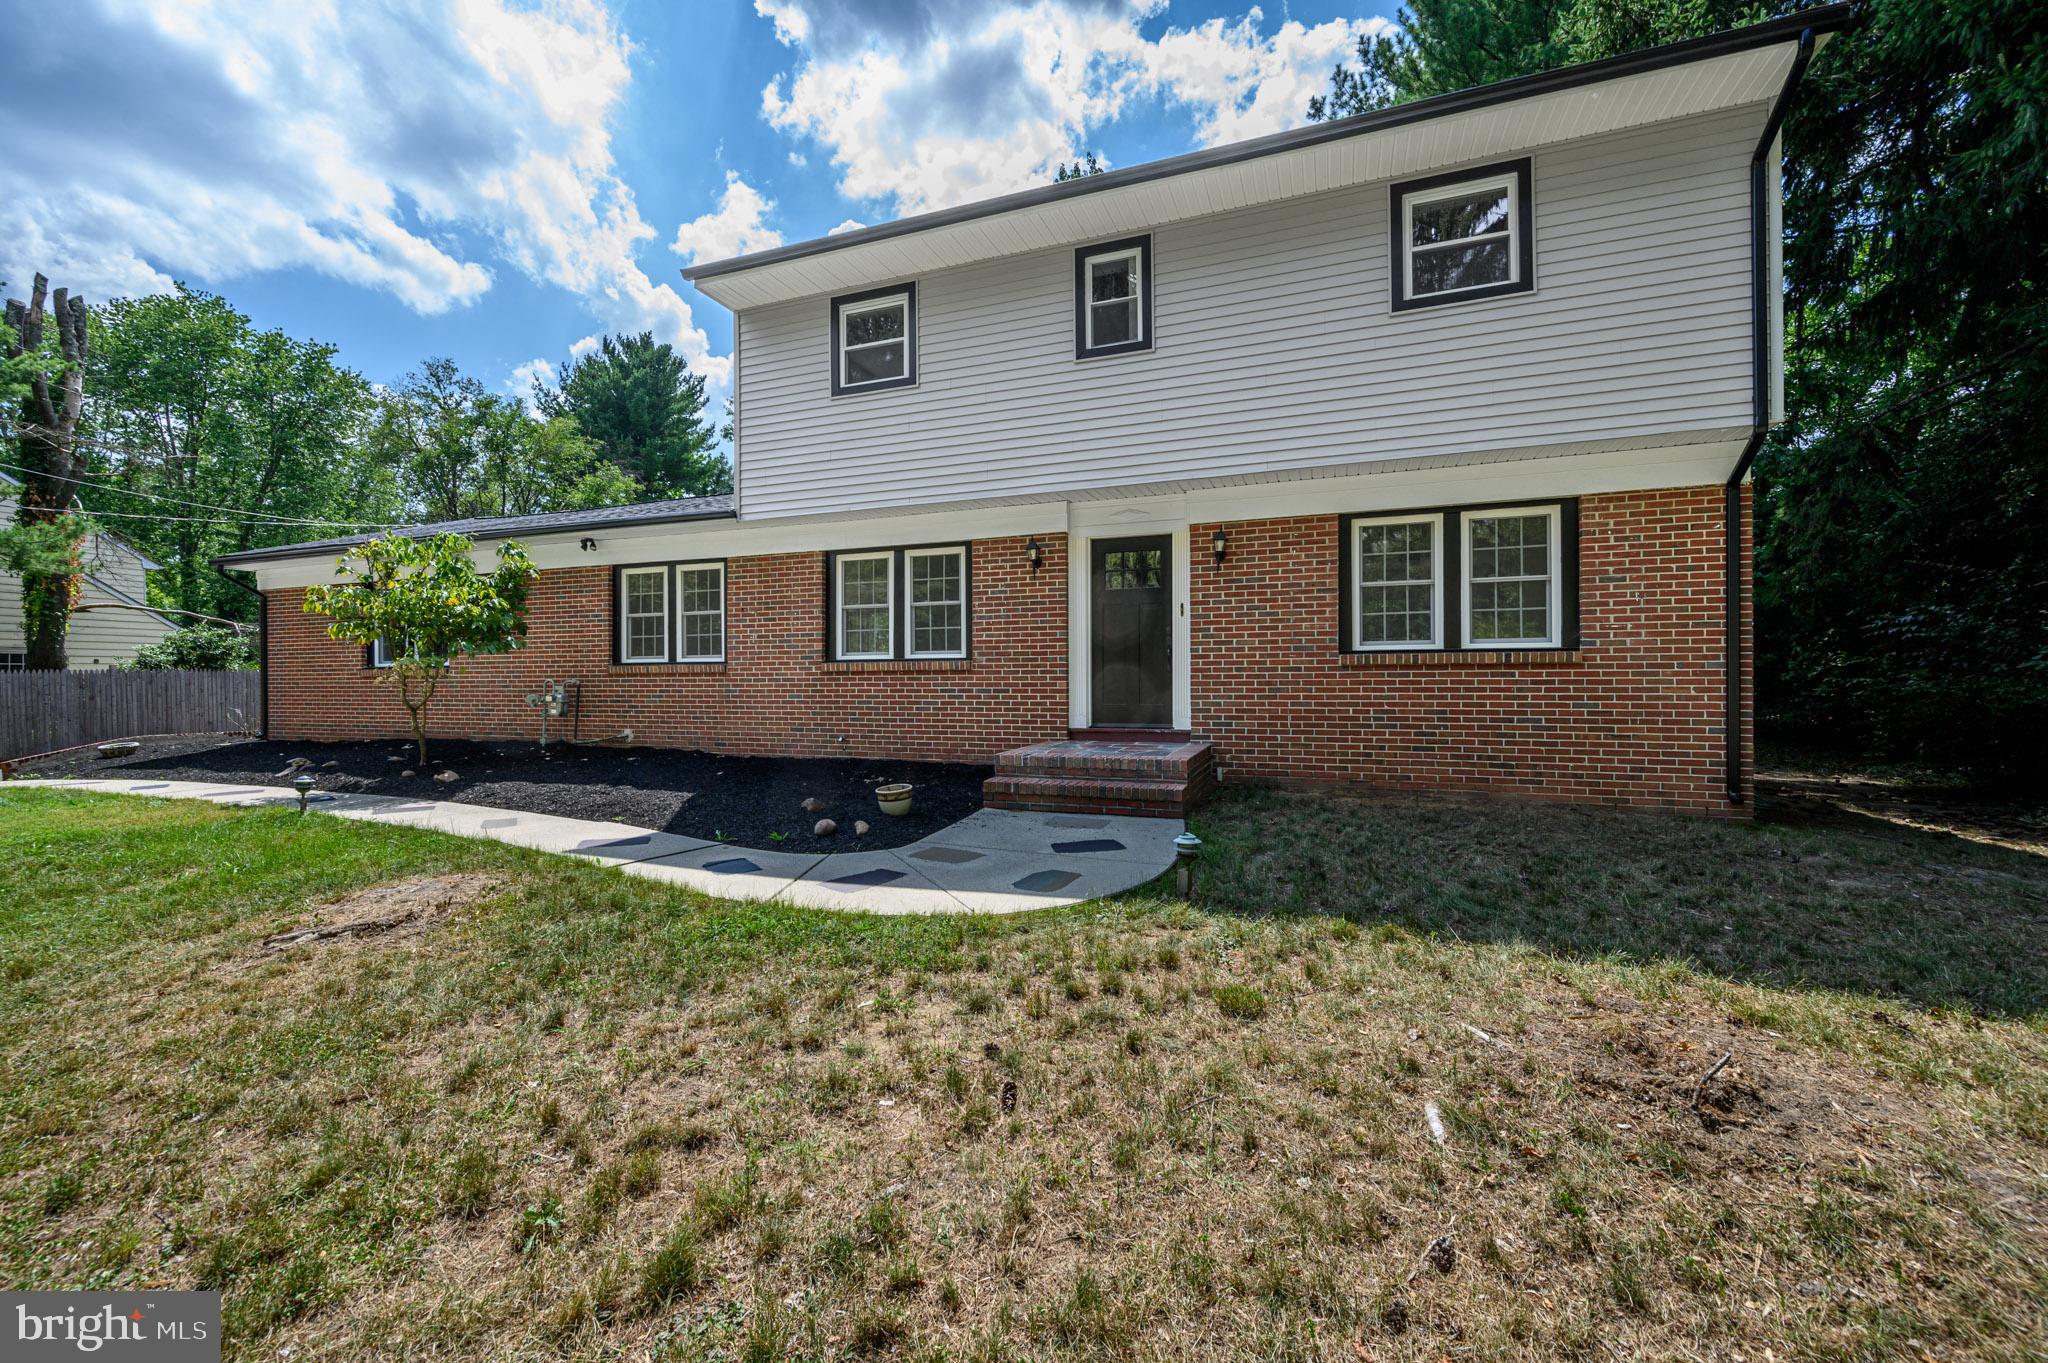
[[742, 800]]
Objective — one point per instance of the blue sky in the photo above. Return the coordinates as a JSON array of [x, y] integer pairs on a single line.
[[502, 180]]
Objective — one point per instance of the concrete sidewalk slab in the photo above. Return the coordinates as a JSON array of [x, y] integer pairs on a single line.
[[993, 861]]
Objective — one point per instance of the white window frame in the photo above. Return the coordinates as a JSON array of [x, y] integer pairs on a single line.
[[839, 607], [680, 615], [958, 553], [380, 653], [846, 310], [1436, 585], [1512, 234], [1136, 255], [626, 616], [1555, 595]]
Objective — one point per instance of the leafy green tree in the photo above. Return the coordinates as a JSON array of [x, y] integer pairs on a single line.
[[645, 409], [1080, 170], [201, 648], [222, 438], [1902, 582], [429, 603]]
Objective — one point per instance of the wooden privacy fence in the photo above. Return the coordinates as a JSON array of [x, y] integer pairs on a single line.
[[40, 711]]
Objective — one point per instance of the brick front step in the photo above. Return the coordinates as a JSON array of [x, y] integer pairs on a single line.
[[1083, 776]]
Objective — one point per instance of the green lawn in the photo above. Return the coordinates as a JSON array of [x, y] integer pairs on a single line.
[[560, 1112]]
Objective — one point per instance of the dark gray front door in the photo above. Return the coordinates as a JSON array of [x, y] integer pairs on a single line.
[[1131, 610]]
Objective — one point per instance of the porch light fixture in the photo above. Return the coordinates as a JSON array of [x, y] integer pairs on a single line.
[[304, 786], [1219, 542], [1033, 555]]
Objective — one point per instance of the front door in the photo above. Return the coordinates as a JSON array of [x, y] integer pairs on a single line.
[[1131, 610]]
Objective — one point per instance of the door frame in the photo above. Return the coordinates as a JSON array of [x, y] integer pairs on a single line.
[[1088, 522]]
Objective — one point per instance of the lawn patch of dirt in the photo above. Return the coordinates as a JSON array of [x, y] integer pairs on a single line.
[[382, 914], [746, 801]]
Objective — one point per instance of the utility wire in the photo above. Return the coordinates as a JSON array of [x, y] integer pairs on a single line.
[[253, 517]]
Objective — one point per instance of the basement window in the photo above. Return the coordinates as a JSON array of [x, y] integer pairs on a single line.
[[874, 339], [1463, 236]]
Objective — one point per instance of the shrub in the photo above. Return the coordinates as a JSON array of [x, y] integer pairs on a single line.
[[201, 648]]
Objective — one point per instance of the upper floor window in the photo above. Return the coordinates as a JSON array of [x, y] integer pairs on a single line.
[[898, 603], [1464, 578], [1462, 236], [1113, 297], [874, 339], [671, 613]]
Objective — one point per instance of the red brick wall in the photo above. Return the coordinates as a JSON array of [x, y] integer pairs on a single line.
[[775, 693], [1635, 716]]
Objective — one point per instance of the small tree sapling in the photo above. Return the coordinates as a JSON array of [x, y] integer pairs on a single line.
[[430, 604]]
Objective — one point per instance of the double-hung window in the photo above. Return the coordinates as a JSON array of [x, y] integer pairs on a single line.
[[1397, 593], [1462, 236], [874, 339], [1513, 578], [671, 613], [1113, 297], [1463, 578], [381, 652], [898, 603]]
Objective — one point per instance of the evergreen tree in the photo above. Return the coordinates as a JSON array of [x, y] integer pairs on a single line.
[[639, 401]]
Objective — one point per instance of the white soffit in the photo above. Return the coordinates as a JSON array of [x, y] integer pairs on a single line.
[[1754, 76]]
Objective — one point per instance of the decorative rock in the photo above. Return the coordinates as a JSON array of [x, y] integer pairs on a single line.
[[408, 772], [444, 777], [394, 759], [813, 805], [121, 748], [325, 765], [860, 828], [824, 828]]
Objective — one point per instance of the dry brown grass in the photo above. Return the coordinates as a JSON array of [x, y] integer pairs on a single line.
[[592, 1119]]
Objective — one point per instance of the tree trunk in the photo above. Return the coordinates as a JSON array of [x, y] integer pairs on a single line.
[[52, 462]]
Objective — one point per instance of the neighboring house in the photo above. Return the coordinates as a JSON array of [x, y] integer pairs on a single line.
[[1407, 450], [116, 574]]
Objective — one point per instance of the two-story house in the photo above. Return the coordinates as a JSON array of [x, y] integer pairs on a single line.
[[111, 620], [1406, 450]]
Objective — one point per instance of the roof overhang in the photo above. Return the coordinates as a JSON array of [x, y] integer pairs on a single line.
[[249, 558], [1721, 71]]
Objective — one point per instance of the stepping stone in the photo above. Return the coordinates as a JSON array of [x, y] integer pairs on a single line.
[[1043, 882], [860, 880], [498, 823], [1089, 845], [731, 866], [948, 856], [1075, 821]]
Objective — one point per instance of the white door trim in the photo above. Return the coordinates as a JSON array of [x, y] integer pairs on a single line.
[[1088, 522]]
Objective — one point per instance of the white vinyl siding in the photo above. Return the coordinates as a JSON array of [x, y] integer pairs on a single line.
[[643, 615], [1280, 352], [863, 610], [1513, 566]]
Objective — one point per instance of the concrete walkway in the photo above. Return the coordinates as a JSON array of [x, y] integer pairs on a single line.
[[992, 861]]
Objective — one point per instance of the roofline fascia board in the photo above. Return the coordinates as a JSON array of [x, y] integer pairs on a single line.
[[292, 551], [1823, 18], [1760, 411]]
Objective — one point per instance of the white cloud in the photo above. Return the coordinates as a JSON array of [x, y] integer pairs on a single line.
[[936, 102], [734, 228], [582, 347], [523, 377], [417, 151], [850, 225]]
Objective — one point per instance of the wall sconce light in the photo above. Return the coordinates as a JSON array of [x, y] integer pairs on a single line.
[[1219, 541], [589, 545], [1033, 554]]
